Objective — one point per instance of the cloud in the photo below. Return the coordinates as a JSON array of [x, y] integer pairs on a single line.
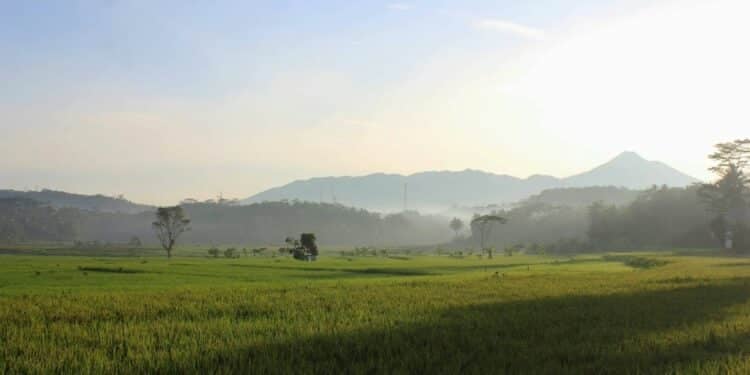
[[399, 6], [508, 27]]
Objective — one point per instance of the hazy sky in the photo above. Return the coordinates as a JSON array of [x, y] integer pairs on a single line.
[[162, 100]]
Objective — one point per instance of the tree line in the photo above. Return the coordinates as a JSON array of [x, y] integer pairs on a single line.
[[23, 219], [708, 215], [704, 215], [258, 224]]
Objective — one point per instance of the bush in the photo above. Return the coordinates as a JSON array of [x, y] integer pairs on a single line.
[[259, 251], [308, 242], [305, 248], [635, 261]]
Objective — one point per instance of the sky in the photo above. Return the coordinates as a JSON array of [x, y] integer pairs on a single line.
[[165, 100]]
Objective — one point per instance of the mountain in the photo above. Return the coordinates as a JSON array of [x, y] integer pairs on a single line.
[[60, 199], [630, 170], [426, 191], [437, 191]]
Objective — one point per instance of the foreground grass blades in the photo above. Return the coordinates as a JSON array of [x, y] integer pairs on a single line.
[[365, 315]]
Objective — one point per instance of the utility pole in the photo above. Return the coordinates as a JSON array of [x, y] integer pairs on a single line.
[[406, 197]]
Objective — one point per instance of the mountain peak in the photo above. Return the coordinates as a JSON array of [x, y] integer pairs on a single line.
[[630, 170], [629, 156]]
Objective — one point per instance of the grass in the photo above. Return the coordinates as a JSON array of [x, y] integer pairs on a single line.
[[619, 313]]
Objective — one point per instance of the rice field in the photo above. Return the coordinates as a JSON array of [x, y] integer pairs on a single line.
[[614, 313]]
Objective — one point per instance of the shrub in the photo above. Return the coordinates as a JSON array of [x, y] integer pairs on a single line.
[[259, 251], [305, 248]]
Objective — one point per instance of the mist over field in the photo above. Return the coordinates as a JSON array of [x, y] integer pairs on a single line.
[[317, 187]]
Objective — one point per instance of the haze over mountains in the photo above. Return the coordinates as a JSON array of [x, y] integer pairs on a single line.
[[440, 190], [429, 192], [545, 208]]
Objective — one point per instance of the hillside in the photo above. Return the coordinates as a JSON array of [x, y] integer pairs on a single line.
[[585, 196], [61, 199]]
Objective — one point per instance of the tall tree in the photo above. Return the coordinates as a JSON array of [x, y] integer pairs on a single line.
[[170, 223], [730, 154], [728, 196], [484, 224], [605, 225], [456, 225]]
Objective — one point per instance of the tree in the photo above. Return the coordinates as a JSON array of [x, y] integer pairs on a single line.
[[23, 219], [307, 240], [170, 223], [456, 225], [605, 225], [305, 248], [728, 196], [484, 224], [730, 154]]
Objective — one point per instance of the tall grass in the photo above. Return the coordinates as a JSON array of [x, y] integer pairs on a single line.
[[423, 315]]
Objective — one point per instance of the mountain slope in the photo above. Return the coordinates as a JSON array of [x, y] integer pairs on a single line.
[[436, 191], [60, 199], [632, 171]]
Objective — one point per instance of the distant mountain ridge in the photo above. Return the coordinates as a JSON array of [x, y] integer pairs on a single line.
[[61, 199], [438, 190]]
